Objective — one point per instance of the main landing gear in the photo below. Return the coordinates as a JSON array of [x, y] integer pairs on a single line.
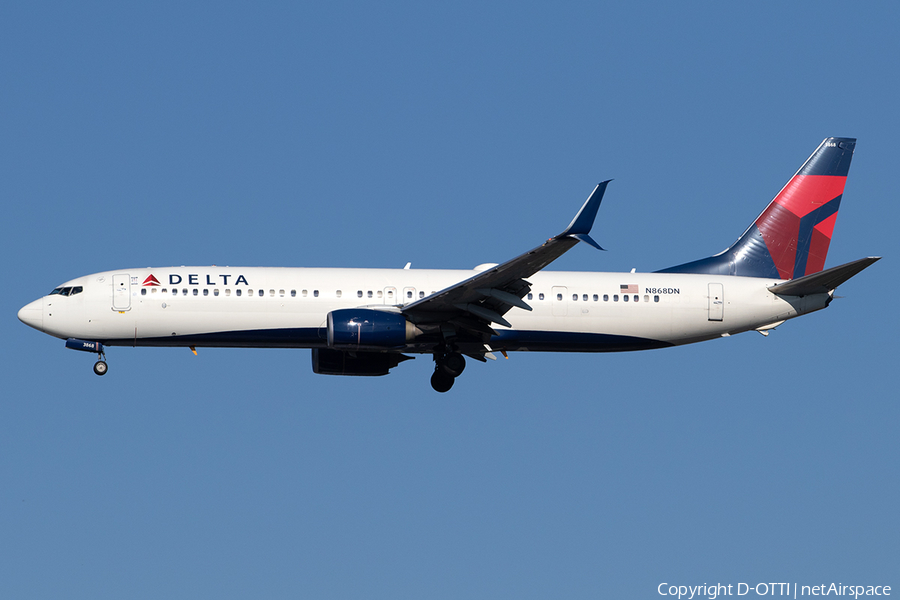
[[447, 367]]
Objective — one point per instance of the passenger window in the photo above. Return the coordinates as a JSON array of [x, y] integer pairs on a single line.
[[359, 293], [153, 290], [184, 292], [635, 298], [303, 293], [261, 293], [606, 297], [281, 293], [205, 291], [615, 297], [216, 292], [596, 297], [530, 296], [541, 296], [421, 294], [163, 290], [656, 298], [337, 293], [250, 293], [584, 297], [559, 296], [646, 298], [625, 298], [369, 294], [316, 293], [409, 294], [293, 293], [574, 297], [237, 292], [380, 293], [174, 291], [196, 291], [143, 291], [228, 292]]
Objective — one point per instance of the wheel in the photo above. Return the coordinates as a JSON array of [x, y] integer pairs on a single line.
[[441, 382], [453, 364], [100, 367]]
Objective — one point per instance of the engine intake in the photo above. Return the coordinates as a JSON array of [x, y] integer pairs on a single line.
[[355, 328]]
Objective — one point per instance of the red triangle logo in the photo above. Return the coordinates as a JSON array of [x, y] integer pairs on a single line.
[[151, 280]]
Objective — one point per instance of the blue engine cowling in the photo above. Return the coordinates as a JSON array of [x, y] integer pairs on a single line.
[[355, 328], [343, 362]]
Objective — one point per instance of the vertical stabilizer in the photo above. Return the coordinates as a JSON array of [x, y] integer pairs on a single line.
[[791, 237]]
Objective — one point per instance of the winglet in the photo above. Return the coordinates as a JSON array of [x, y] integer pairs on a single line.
[[587, 239], [581, 225]]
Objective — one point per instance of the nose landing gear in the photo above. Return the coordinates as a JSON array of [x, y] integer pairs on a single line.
[[100, 367], [447, 367]]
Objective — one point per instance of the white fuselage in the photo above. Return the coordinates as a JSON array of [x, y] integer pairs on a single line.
[[288, 307]]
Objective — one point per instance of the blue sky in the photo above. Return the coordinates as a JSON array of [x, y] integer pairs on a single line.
[[449, 135]]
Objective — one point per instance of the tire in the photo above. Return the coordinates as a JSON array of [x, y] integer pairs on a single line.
[[100, 367], [453, 364], [441, 382]]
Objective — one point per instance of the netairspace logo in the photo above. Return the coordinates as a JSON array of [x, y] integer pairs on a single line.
[[713, 591]]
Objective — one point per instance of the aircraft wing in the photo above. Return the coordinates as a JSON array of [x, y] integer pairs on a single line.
[[473, 304]]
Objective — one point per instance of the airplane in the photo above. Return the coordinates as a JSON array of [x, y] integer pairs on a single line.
[[365, 322]]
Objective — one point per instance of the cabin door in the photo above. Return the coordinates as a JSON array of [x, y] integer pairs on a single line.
[[716, 302], [121, 299]]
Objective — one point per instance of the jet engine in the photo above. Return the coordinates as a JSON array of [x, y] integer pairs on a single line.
[[356, 328], [367, 364]]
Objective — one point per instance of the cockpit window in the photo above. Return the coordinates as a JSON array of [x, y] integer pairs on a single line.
[[67, 291]]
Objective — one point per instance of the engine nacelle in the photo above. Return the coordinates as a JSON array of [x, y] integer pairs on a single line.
[[364, 364], [355, 328]]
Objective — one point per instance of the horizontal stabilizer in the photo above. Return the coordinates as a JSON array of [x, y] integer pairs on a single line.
[[823, 281]]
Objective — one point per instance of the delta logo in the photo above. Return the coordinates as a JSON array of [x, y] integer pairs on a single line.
[[194, 279]]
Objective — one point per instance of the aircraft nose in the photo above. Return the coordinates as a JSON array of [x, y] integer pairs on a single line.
[[33, 314]]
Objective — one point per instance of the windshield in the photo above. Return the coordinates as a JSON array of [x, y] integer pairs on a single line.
[[67, 291]]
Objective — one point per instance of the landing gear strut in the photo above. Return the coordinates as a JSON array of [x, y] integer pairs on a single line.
[[447, 367], [100, 367]]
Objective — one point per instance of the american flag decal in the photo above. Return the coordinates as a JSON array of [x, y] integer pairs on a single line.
[[631, 288]]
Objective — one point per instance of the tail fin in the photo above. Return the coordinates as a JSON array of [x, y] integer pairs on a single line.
[[790, 238]]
